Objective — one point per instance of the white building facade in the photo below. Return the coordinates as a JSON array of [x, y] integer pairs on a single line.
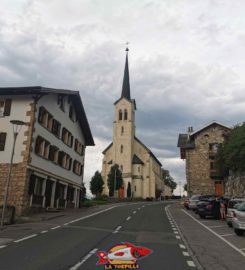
[[49, 154]]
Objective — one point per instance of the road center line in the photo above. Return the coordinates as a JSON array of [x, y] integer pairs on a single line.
[[186, 254], [182, 246], [25, 238], [134, 212], [216, 234], [128, 218], [117, 229], [3, 246], [76, 266], [44, 231], [54, 228], [191, 263]]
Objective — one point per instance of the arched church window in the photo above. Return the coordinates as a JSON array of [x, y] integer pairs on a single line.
[[122, 130], [120, 115], [121, 149], [125, 114]]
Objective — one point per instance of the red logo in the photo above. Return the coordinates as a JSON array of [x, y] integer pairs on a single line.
[[122, 256]]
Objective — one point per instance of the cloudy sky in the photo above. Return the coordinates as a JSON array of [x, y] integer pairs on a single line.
[[186, 63]]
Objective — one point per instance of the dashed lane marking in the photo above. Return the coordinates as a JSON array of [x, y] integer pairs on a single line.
[[25, 238], [177, 237], [117, 229], [186, 254], [76, 266], [134, 212], [128, 218], [44, 232], [191, 263], [54, 228], [3, 246], [216, 234], [182, 246]]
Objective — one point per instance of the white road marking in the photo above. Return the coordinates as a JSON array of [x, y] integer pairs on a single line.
[[182, 246], [76, 266], [3, 246], [228, 234], [134, 212], [54, 228], [128, 218], [176, 232], [186, 254], [217, 226], [94, 214], [138, 208], [242, 249], [216, 234], [44, 231], [143, 206], [177, 237], [66, 224], [117, 229], [191, 263], [25, 238]]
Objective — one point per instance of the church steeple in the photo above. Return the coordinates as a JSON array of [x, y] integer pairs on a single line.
[[126, 85]]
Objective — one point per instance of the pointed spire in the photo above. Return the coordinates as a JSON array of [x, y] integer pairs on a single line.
[[126, 85]]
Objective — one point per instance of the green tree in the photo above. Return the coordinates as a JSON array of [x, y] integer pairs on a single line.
[[168, 179], [96, 184], [231, 154], [129, 190], [115, 175]]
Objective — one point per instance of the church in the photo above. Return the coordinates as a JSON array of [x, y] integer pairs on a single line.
[[137, 163]]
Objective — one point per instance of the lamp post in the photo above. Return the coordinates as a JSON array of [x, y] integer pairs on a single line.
[[17, 124], [115, 177]]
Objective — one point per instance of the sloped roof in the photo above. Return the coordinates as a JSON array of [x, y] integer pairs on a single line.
[[75, 97], [214, 123], [149, 151], [107, 148], [137, 160]]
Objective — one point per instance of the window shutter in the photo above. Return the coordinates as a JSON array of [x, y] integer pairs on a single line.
[[2, 140], [7, 108], [40, 115]]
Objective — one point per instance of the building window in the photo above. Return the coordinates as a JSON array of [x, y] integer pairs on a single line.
[[3, 136], [42, 147], [77, 167], [56, 128], [120, 115], [61, 102], [121, 149], [79, 148], [38, 186], [53, 153], [5, 107], [212, 165], [125, 114], [64, 160], [122, 130], [214, 147], [72, 114], [67, 137]]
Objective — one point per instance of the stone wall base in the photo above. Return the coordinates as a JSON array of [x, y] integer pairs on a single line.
[[18, 190], [235, 186]]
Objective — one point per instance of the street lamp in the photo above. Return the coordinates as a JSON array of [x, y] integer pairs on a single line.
[[17, 125]]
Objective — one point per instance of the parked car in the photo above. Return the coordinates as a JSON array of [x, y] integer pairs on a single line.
[[238, 220], [193, 201], [198, 200], [209, 207], [231, 207]]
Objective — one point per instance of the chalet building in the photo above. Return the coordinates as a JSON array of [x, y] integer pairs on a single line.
[[138, 164], [199, 148], [48, 162]]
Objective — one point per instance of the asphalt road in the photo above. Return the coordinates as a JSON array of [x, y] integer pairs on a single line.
[[73, 244]]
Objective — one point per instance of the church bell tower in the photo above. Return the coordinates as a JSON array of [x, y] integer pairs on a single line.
[[124, 129]]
